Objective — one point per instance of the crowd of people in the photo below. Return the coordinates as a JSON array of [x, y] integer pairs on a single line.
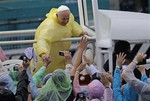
[[46, 76]]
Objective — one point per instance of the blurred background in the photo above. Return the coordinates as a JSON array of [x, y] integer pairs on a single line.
[[28, 14]]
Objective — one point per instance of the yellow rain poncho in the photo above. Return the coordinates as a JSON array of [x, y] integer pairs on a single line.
[[47, 35]]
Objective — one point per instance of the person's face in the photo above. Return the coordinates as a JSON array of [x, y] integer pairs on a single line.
[[63, 17]]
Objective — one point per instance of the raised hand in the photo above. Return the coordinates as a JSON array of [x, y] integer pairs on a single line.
[[68, 57], [104, 79], [120, 59], [82, 66], [83, 43], [139, 57], [47, 61], [46, 57]]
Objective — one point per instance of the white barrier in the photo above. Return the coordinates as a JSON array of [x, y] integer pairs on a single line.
[[117, 25]]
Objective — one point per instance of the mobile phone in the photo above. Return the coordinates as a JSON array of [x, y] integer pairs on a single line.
[[80, 96], [15, 68], [96, 76], [25, 58], [61, 53]]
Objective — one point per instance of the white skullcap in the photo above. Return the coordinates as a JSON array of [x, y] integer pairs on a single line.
[[62, 8]]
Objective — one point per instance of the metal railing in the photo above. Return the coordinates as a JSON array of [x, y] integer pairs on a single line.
[[18, 32], [32, 41], [24, 42]]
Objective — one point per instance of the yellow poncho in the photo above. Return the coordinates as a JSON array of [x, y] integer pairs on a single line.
[[48, 33]]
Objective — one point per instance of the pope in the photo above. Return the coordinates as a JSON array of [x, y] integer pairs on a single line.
[[59, 24]]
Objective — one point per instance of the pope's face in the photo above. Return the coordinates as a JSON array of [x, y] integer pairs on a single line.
[[63, 17]]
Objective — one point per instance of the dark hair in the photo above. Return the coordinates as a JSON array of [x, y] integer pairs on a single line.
[[6, 95], [122, 46]]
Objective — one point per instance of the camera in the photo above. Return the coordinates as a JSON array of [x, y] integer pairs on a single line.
[[145, 61], [80, 96], [15, 68], [96, 76], [25, 58], [61, 53]]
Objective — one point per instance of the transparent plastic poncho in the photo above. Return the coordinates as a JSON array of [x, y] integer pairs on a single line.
[[57, 88]]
